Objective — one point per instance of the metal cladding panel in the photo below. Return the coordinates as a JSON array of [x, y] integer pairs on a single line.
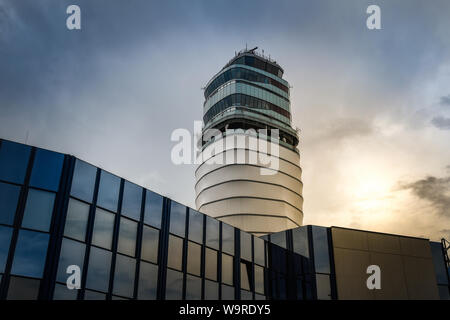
[[406, 266]]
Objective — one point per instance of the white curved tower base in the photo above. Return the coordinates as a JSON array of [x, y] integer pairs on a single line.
[[259, 196]]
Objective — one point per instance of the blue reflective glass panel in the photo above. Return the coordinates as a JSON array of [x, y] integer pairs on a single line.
[[211, 290], [5, 239], [309, 291], [279, 239], [439, 262], [61, 292], [132, 198], [9, 196], [98, 270], [227, 292], [227, 269], [195, 226], [193, 288], [23, 288], [13, 161], [323, 287], [245, 275], [103, 228], [76, 220], [212, 233], [108, 192], [153, 209], [278, 258], [194, 258], [227, 238], [83, 181], [246, 246], [246, 295], [93, 295], [124, 276], [211, 264], [127, 237], [72, 253], [38, 210], [300, 241], [320, 246], [150, 240], [444, 292], [175, 252], [29, 257], [259, 279], [259, 245], [148, 280], [46, 171], [177, 219], [174, 285]]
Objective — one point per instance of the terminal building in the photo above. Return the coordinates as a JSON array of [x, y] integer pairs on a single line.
[[131, 243]]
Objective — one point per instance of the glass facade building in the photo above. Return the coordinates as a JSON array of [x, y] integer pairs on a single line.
[[58, 211]]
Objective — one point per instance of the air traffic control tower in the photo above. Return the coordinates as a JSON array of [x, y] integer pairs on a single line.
[[246, 97]]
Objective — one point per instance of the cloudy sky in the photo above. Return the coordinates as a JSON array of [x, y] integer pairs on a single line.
[[373, 106]]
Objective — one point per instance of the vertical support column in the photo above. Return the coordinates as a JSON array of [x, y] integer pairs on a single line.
[[252, 275], [266, 273], [57, 229], [237, 264], [219, 260], [312, 266], [89, 231], [140, 232], [334, 294], [162, 252], [445, 245], [269, 275], [185, 252], [203, 257], [115, 241], [291, 277]]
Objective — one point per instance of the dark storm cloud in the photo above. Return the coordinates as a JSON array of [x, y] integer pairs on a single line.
[[445, 100], [433, 189], [39, 55], [442, 123]]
